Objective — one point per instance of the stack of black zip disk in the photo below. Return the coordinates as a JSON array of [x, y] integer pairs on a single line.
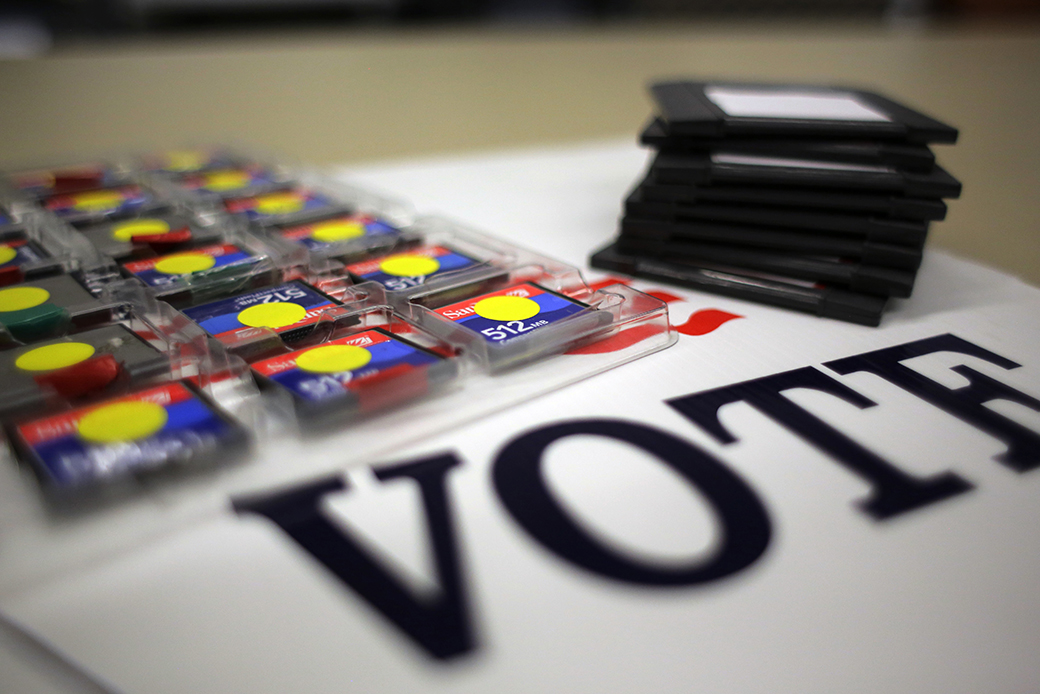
[[811, 198]]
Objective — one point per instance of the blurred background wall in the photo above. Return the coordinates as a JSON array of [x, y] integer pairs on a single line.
[[28, 25], [327, 82]]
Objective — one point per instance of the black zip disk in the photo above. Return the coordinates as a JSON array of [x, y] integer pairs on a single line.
[[634, 231], [749, 169], [874, 203], [859, 277], [881, 229], [732, 109], [816, 298], [879, 152]]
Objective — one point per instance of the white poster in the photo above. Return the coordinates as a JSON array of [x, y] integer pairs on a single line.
[[777, 503]]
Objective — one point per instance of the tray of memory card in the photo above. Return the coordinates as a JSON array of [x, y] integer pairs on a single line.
[[161, 313]]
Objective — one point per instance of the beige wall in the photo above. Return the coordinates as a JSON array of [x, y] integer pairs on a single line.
[[326, 98]]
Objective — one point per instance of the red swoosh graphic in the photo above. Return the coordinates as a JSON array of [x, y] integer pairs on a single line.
[[705, 321], [616, 343]]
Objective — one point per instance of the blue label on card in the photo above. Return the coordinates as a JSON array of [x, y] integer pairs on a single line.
[[278, 204], [403, 271], [68, 179], [106, 201], [508, 314], [347, 364], [18, 253], [137, 432], [229, 179], [169, 269], [285, 307], [187, 161], [331, 233]]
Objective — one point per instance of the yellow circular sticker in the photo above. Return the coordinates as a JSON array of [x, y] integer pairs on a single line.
[[409, 265], [185, 263], [339, 230], [505, 308], [50, 357], [21, 298], [122, 421], [333, 359], [280, 203], [7, 254], [98, 200], [277, 314], [230, 179], [124, 231], [186, 160]]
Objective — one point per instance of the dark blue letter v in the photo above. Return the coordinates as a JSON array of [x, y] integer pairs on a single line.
[[441, 626]]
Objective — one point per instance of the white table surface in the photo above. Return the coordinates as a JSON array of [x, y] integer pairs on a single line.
[[939, 599]]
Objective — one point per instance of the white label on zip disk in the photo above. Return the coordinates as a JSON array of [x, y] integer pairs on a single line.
[[811, 105]]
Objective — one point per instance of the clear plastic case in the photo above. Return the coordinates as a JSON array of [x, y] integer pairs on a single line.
[[261, 322], [39, 183], [48, 307], [135, 420], [448, 261], [31, 249], [311, 197], [44, 375], [146, 235], [208, 176], [7, 217], [150, 431], [522, 322], [190, 160], [227, 261], [83, 409], [370, 359], [306, 310], [124, 199]]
